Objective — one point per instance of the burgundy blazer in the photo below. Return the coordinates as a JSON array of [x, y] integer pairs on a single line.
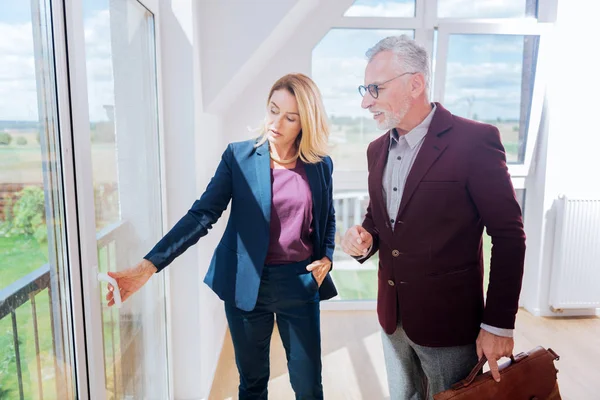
[[430, 271]]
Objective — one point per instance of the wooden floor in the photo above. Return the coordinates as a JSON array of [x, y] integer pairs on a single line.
[[353, 366]]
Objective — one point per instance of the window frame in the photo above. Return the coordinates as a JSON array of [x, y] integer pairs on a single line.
[[69, 34], [445, 30]]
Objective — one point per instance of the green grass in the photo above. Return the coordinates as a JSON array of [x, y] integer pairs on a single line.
[[356, 284], [487, 253], [20, 255]]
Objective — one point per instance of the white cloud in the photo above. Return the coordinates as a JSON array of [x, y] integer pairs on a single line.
[[99, 64], [387, 9], [481, 8], [483, 74], [338, 79], [18, 96], [18, 88], [491, 90], [488, 47], [446, 9]]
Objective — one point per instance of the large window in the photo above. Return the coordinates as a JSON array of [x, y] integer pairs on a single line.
[[36, 343], [80, 193], [489, 78], [124, 136], [484, 67]]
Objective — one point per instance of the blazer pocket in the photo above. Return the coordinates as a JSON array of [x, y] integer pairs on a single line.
[[446, 273]]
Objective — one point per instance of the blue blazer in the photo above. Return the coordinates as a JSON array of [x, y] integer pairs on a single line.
[[244, 177]]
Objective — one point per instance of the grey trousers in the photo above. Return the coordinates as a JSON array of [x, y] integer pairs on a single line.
[[417, 372]]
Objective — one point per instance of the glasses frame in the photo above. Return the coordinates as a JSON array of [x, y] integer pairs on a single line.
[[373, 88]]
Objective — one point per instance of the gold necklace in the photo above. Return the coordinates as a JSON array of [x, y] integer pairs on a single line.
[[279, 161]]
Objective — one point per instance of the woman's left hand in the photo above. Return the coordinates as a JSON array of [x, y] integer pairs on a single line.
[[320, 269]]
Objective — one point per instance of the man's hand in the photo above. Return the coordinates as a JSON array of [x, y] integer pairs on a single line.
[[357, 241], [319, 269], [494, 347]]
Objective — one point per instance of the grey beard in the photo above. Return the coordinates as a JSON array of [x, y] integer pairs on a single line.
[[388, 123]]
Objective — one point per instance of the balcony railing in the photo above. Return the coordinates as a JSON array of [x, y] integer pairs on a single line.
[[350, 208], [14, 296], [29, 288]]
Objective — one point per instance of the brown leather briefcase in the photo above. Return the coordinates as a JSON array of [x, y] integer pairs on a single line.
[[527, 376]]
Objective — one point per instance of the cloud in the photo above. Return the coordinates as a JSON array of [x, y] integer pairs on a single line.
[[481, 8], [493, 89], [484, 74], [338, 79], [508, 47], [18, 87], [382, 9], [446, 8], [338, 67], [99, 64], [18, 95]]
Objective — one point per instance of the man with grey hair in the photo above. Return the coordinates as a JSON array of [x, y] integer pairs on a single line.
[[435, 181]]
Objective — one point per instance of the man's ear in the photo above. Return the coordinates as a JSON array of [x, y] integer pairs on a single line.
[[417, 84]]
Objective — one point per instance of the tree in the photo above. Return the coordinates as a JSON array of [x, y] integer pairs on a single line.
[[5, 138], [28, 214]]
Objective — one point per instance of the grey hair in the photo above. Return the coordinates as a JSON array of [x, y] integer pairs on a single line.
[[410, 56]]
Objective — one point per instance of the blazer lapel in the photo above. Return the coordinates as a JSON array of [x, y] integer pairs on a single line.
[[262, 165], [314, 181], [434, 144]]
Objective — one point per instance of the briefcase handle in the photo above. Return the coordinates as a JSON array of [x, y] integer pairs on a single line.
[[513, 359], [469, 379]]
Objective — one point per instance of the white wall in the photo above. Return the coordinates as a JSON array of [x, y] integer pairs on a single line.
[[230, 32], [571, 142], [191, 140]]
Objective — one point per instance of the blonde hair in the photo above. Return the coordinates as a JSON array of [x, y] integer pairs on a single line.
[[312, 141]]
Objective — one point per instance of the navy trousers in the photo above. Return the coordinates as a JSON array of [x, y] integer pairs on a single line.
[[290, 294]]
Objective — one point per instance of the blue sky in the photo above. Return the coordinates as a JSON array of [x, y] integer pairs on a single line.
[[446, 8], [379, 8], [18, 92], [19, 11], [338, 67], [482, 70], [15, 11], [483, 74]]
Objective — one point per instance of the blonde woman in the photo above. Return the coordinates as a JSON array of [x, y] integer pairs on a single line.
[[275, 255]]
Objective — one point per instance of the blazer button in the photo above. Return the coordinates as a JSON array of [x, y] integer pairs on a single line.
[[391, 282], [395, 253]]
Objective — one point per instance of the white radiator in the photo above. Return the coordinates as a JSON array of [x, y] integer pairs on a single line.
[[575, 276]]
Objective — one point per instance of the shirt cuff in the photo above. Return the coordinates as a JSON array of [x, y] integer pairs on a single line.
[[498, 331]]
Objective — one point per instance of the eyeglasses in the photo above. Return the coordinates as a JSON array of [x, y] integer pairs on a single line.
[[373, 89]]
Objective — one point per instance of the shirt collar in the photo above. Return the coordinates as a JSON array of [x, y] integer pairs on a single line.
[[415, 135]]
